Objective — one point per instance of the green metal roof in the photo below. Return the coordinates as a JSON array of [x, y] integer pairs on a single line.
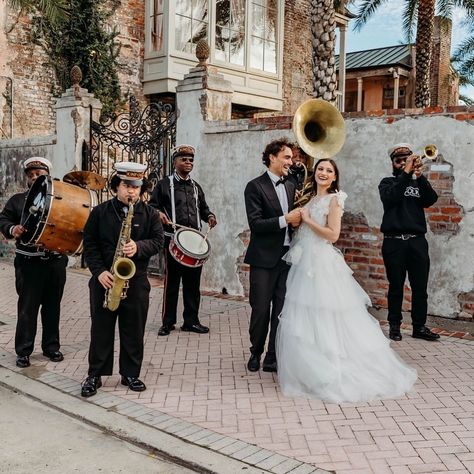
[[380, 57]]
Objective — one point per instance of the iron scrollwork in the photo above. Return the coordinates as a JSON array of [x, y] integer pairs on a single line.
[[141, 136]]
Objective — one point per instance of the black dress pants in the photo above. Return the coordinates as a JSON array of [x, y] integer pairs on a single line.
[[131, 315], [191, 278], [267, 295], [401, 258], [39, 283]]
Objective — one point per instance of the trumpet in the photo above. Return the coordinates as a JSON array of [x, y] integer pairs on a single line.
[[430, 152]]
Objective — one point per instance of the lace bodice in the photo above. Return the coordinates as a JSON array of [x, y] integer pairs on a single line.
[[319, 210]]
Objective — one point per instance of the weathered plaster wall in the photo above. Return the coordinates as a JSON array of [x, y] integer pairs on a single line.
[[229, 156]]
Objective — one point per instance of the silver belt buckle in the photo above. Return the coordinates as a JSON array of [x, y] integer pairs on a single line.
[[406, 236]]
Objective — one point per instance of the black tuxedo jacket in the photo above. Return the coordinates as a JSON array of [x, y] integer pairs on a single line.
[[263, 212]]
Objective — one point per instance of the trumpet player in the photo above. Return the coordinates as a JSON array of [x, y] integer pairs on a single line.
[[405, 248], [124, 227]]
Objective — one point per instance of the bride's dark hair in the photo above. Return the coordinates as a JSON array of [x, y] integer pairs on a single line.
[[334, 188]]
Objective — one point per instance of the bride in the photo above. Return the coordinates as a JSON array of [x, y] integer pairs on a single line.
[[328, 345]]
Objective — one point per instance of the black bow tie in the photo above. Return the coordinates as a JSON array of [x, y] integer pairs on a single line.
[[280, 181]]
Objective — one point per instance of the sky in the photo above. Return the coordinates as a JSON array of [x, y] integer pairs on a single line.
[[385, 29]]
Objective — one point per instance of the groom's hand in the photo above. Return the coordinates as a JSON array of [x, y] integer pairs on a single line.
[[293, 218]]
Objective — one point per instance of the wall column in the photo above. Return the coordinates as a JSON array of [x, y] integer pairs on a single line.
[[342, 65], [74, 110], [396, 88], [360, 82]]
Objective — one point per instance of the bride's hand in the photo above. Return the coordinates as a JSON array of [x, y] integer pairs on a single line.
[[304, 214]]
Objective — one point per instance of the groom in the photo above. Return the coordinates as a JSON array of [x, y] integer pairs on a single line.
[[269, 203]]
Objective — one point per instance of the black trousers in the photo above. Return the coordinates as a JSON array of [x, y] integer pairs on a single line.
[[131, 315], [39, 283], [267, 295], [191, 278], [401, 258]]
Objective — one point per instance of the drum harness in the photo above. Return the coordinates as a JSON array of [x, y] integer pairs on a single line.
[[173, 205]]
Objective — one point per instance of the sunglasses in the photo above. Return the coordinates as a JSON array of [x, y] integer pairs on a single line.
[[399, 161], [185, 159]]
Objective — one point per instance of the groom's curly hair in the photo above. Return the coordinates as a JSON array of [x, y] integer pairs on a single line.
[[334, 188], [273, 148]]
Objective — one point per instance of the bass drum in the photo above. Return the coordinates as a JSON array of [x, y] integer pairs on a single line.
[[55, 214]]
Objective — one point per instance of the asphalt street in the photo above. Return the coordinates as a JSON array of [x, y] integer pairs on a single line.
[[39, 439]]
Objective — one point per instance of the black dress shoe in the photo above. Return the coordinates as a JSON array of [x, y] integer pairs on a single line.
[[198, 328], [254, 363], [394, 333], [133, 383], [269, 363], [55, 356], [90, 386], [23, 361], [424, 333], [165, 330]]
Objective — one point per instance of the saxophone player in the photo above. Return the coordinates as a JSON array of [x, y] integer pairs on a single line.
[[111, 234]]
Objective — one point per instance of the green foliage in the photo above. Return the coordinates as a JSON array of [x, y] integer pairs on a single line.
[[85, 39], [53, 10]]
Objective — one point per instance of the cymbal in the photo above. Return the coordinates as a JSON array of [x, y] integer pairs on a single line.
[[85, 179]]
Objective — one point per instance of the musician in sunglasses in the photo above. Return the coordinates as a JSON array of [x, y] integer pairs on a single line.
[[181, 202], [405, 195]]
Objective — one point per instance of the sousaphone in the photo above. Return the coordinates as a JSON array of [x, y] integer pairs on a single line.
[[319, 128], [320, 131]]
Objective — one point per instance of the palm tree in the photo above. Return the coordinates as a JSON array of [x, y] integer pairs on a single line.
[[463, 62], [419, 13], [52, 10], [323, 30]]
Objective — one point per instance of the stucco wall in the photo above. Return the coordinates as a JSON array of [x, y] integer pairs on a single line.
[[229, 156]]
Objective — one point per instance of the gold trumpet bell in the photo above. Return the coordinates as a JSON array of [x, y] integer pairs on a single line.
[[430, 152], [319, 128]]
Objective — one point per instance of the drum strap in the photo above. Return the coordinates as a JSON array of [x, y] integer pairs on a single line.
[[173, 204]]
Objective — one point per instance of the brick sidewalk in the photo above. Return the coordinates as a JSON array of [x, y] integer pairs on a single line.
[[201, 383]]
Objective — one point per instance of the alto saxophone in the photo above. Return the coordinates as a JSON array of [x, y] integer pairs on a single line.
[[123, 268]]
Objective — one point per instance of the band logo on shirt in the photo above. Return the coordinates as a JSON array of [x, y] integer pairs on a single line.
[[410, 191]]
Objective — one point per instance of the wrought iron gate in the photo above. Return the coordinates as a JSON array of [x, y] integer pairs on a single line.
[[141, 136]]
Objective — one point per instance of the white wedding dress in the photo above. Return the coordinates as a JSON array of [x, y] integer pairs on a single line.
[[328, 345]]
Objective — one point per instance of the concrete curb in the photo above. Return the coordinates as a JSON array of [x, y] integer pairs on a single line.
[[183, 443]]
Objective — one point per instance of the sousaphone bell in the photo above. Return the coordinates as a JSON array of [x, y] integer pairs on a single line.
[[320, 131]]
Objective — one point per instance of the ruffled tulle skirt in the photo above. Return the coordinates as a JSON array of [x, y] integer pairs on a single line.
[[329, 347]]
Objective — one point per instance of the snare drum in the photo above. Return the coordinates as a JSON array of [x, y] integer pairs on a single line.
[[55, 214], [189, 247]]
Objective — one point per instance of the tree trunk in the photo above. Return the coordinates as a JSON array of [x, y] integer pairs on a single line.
[[424, 41], [323, 29]]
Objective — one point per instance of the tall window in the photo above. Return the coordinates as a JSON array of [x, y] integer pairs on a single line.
[[263, 41], [156, 22], [230, 31], [191, 24]]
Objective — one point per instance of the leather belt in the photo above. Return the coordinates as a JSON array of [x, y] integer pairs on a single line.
[[402, 236]]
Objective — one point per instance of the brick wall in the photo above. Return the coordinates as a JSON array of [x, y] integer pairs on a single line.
[[34, 81], [296, 54]]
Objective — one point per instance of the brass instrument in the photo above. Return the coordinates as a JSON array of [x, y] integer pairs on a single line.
[[430, 152], [123, 268], [320, 131]]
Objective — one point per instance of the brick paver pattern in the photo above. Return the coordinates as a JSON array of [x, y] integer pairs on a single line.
[[203, 379]]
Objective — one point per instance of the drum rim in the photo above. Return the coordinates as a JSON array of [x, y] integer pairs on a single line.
[[47, 209], [188, 252]]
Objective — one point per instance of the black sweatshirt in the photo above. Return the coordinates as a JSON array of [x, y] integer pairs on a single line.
[[404, 200]]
